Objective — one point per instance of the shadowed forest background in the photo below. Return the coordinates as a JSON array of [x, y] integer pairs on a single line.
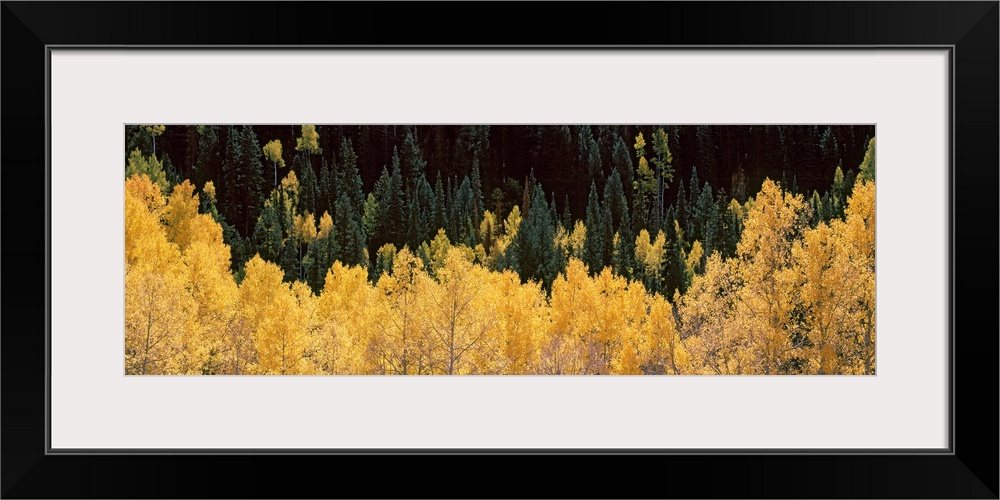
[[549, 249]]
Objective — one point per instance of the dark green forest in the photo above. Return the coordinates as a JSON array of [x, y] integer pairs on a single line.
[[397, 184]]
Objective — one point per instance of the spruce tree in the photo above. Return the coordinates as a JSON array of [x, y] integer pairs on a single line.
[[593, 247], [477, 194], [536, 251], [700, 214], [253, 175], [324, 202], [413, 163], [462, 214], [683, 208], [567, 218], [622, 162], [267, 235], [440, 205], [308, 190], [614, 198]]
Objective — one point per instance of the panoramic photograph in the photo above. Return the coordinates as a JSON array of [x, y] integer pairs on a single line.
[[499, 249]]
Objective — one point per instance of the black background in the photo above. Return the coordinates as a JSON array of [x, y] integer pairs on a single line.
[[971, 472]]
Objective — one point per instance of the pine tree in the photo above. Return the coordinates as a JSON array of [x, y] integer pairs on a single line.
[[664, 168], [477, 194], [348, 176], [290, 262], [536, 250], [421, 213], [350, 237], [829, 149], [461, 214], [472, 145], [529, 188], [593, 247], [413, 164], [683, 208], [395, 205], [702, 210], [705, 154], [232, 179], [309, 189], [253, 189], [827, 204], [712, 229], [208, 162], [622, 162], [440, 205], [567, 218], [607, 236], [695, 186], [614, 198], [267, 235], [324, 203]]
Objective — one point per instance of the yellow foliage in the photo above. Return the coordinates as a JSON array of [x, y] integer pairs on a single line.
[[794, 299], [272, 151], [155, 130], [309, 141], [347, 321], [277, 325], [325, 225], [639, 142]]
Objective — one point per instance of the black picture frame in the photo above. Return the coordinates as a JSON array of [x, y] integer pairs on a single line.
[[968, 470]]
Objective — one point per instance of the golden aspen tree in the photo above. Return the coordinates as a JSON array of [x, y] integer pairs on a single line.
[[159, 310], [572, 242], [521, 324], [776, 220], [207, 259], [663, 351], [396, 346], [457, 315], [155, 131], [650, 259], [436, 252], [305, 321], [183, 222], [347, 321], [566, 350], [857, 241], [716, 336], [215, 292], [309, 141], [618, 314], [272, 152], [510, 227], [275, 319], [149, 166], [820, 291], [159, 322], [325, 226]]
